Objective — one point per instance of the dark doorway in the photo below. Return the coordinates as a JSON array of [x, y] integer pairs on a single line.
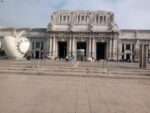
[[100, 50], [81, 51], [37, 54], [128, 57], [62, 49], [2, 54]]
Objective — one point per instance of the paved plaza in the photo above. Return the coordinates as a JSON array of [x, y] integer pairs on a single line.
[[31, 93]]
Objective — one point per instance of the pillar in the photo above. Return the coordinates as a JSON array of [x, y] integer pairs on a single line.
[[115, 51], [70, 46], [74, 51], [119, 50], [124, 55], [107, 49], [54, 44], [143, 55], [50, 46], [110, 49], [89, 53], [149, 53], [53, 47], [94, 48], [56, 47], [133, 53], [137, 49]]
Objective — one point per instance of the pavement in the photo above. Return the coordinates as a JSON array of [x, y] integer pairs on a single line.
[[60, 93]]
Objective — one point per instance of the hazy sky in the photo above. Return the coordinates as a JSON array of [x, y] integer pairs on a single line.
[[129, 14]]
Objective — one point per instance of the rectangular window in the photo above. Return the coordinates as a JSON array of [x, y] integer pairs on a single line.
[[68, 18], [82, 18], [97, 18], [60, 19], [104, 19], [78, 19], [86, 18], [37, 45], [128, 47], [64, 18], [101, 19]]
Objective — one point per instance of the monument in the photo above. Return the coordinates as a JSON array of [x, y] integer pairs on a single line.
[[16, 45]]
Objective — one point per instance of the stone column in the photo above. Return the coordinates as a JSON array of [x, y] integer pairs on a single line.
[[143, 55], [50, 46], [89, 48], [119, 50], [107, 49], [131, 57], [54, 47], [110, 49], [94, 48], [132, 49], [137, 49], [33, 48], [123, 52], [115, 49], [74, 50], [70, 46], [149, 53], [125, 56]]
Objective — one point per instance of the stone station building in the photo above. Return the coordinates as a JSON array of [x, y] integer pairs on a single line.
[[90, 34]]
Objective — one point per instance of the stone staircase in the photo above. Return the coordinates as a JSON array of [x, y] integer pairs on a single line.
[[73, 69]]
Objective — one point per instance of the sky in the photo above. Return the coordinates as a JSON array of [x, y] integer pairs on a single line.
[[129, 14]]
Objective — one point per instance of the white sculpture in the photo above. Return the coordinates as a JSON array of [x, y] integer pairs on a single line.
[[16, 45]]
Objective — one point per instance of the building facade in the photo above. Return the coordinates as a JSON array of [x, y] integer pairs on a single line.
[[84, 35]]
